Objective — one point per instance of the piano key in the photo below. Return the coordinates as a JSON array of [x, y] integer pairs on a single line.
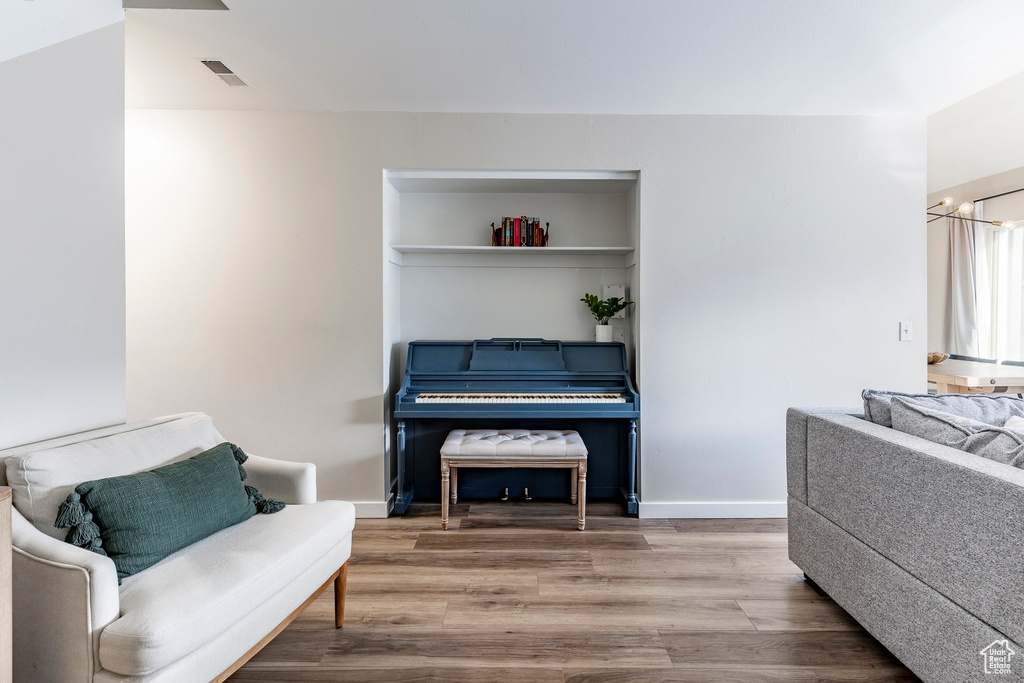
[[519, 398]]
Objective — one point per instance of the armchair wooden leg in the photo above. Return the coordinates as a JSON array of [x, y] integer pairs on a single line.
[[339, 595]]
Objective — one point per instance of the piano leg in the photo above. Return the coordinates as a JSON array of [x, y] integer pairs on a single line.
[[630, 492], [402, 498]]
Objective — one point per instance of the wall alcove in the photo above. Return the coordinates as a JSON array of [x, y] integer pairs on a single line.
[[444, 281]]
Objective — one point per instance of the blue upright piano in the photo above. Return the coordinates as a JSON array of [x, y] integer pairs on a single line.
[[517, 383]]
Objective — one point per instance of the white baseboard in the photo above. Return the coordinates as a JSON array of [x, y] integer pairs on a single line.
[[371, 509], [725, 510], [711, 510]]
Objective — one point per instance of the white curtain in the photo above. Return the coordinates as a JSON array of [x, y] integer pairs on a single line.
[[964, 323], [1000, 290]]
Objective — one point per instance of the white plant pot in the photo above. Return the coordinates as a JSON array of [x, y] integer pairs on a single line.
[[604, 333]]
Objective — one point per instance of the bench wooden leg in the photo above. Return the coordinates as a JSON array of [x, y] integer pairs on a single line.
[[339, 595], [581, 518], [575, 475], [445, 486], [455, 485]]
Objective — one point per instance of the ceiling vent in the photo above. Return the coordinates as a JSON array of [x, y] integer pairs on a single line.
[[223, 72]]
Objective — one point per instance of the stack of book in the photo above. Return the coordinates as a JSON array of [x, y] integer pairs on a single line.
[[520, 232]]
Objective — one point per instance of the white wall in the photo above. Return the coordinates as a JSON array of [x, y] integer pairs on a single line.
[[977, 137], [582, 219], [255, 277], [62, 351], [29, 26], [450, 303], [473, 296], [780, 291]]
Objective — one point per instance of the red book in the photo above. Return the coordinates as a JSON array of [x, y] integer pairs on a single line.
[[517, 232]]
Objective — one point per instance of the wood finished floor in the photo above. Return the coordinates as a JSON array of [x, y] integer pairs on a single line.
[[512, 592]]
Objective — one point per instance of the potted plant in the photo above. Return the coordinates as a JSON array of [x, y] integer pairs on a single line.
[[603, 310]]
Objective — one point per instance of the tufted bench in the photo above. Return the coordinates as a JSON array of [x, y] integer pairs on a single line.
[[513, 448]]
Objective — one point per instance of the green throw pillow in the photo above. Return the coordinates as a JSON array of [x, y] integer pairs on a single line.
[[139, 519]]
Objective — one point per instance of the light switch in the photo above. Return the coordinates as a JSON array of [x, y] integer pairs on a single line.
[[906, 331]]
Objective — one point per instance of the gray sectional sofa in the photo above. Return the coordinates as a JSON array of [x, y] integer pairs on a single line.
[[921, 543]]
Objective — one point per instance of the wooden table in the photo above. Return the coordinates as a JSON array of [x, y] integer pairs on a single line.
[[970, 377]]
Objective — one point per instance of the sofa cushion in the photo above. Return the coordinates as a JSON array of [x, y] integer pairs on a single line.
[[194, 595], [995, 443], [79, 437], [41, 479], [139, 519], [1015, 423], [994, 410]]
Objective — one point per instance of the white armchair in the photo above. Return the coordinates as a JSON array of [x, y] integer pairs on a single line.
[[195, 616]]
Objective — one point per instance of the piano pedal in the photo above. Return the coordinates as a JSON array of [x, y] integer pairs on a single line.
[[504, 496], [526, 494]]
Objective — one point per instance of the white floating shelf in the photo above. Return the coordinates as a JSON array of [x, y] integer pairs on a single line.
[[604, 182], [534, 251]]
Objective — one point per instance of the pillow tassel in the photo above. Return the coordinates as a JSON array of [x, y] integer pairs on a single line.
[[71, 512], [255, 497], [265, 506], [240, 458], [270, 506], [84, 534]]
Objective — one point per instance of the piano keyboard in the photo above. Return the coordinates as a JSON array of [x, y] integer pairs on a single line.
[[520, 398]]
